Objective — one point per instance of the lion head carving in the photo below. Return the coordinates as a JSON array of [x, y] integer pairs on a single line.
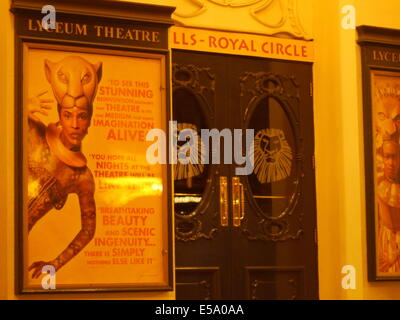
[[74, 81], [272, 156]]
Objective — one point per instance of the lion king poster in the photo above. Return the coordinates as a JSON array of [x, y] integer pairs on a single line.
[[94, 209]]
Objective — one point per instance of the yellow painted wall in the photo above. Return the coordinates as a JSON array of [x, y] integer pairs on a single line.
[[6, 79], [339, 147], [336, 145], [6, 156], [381, 14]]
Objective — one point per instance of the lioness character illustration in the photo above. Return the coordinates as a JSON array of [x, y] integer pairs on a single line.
[[56, 165]]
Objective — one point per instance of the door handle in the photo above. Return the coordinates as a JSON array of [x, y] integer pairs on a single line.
[[223, 200], [237, 201]]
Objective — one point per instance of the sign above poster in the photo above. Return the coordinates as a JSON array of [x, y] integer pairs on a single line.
[[95, 30], [241, 44]]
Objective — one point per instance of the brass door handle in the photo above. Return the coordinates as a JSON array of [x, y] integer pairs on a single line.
[[237, 201], [223, 200]]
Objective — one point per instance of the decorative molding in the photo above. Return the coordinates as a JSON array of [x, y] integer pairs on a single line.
[[206, 285], [207, 278], [261, 85], [103, 8], [255, 277], [188, 76], [194, 232], [255, 284], [200, 8], [236, 3], [288, 20], [379, 36]]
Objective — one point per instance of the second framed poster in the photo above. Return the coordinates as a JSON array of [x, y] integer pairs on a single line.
[[381, 91], [385, 92]]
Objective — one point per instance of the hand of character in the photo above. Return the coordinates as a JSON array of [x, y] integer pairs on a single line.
[[38, 105], [385, 263], [37, 268]]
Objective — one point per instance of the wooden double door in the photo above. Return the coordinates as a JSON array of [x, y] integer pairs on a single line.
[[246, 236]]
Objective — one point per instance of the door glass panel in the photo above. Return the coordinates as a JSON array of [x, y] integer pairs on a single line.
[[274, 180], [190, 179]]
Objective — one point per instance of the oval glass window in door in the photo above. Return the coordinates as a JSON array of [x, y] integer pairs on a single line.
[[274, 180], [190, 179]]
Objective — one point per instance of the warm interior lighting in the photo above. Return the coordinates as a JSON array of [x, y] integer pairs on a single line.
[[121, 191], [33, 189], [187, 199]]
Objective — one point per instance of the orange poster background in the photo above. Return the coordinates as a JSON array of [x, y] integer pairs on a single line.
[[107, 146]]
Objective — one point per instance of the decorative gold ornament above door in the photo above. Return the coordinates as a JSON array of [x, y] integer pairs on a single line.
[[280, 18], [236, 3]]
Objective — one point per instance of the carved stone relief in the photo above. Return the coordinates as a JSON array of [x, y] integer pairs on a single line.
[[278, 18]]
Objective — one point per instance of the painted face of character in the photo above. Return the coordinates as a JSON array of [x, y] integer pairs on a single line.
[[75, 123], [388, 117], [391, 160], [74, 81]]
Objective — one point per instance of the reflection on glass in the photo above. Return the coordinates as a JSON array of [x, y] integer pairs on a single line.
[[185, 226], [190, 179], [273, 180], [185, 199], [272, 156], [123, 190]]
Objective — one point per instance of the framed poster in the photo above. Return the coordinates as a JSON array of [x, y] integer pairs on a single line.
[[92, 213], [381, 86], [93, 206], [385, 92]]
